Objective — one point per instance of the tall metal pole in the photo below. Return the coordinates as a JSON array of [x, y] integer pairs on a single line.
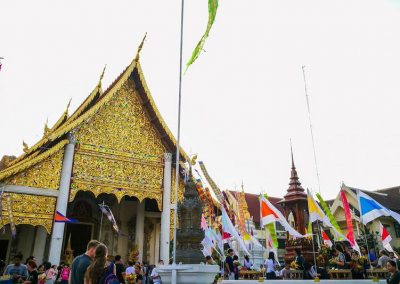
[[311, 130], [174, 276]]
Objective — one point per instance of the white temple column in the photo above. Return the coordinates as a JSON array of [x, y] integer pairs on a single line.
[[165, 214], [40, 244], [139, 236], [157, 244], [62, 202]]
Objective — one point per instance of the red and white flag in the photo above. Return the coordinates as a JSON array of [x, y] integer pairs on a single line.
[[269, 214], [326, 239], [386, 238]]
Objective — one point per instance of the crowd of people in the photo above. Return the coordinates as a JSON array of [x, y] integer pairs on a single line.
[[338, 258], [92, 267]]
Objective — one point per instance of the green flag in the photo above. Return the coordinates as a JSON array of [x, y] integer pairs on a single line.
[[212, 12], [328, 213]]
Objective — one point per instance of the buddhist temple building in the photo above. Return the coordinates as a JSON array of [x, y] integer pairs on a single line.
[[116, 150]]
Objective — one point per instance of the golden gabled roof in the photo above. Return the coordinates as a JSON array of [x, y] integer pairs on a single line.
[[27, 163], [87, 109]]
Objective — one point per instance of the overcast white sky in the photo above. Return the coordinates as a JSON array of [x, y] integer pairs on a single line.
[[242, 100]]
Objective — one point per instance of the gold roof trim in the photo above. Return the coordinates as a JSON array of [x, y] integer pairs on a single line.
[[157, 112], [29, 162]]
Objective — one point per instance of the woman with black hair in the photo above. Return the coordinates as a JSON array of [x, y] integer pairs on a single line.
[[299, 259], [270, 265], [340, 259], [394, 274]]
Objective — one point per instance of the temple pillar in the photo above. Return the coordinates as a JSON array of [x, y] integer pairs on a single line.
[[139, 236], [157, 243], [62, 201], [40, 244], [165, 214]]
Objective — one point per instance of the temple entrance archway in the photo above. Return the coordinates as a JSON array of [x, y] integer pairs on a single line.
[[79, 234]]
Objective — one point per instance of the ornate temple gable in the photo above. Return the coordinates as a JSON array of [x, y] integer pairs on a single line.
[[119, 150], [30, 209], [41, 171]]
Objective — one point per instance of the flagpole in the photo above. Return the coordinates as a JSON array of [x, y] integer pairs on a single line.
[[315, 259], [174, 272], [366, 243], [101, 221]]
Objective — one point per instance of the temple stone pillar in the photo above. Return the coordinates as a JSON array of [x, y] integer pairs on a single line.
[[40, 244], [139, 236], [62, 202], [165, 214], [157, 243]]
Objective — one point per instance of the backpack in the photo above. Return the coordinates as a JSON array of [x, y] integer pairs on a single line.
[[109, 277], [65, 273]]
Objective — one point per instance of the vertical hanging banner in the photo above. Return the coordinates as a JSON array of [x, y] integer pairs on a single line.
[[347, 214], [328, 212], [212, 12]]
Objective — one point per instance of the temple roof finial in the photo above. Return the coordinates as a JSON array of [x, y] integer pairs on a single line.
[[101, 76], [46, 130], [140, 48], [68, 105], [242, 186], [294, 184], [26, 147], [291, 152]]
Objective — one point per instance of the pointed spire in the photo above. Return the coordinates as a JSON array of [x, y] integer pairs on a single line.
[[26, 147], [242, 187], [101, 76], [140, 48], [291, 151], [46, 130], [68, 105], [294, 184]]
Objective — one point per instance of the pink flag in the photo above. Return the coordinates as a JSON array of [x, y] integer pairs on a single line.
[[203, 223], [347, 214]]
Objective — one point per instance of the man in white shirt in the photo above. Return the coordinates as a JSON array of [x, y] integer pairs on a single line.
[[154, 273], [130, 269]]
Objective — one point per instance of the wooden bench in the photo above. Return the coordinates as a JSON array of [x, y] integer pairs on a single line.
[[250, 274], [377, 273], [340, 274], [293, 274]]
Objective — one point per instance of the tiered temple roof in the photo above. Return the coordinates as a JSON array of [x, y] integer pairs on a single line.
[[55, 138]]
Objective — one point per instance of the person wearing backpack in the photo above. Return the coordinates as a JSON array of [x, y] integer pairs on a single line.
[[64, 275], [101, 271]]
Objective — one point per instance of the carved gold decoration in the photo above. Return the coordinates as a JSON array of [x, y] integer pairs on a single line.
[[43, 171], [193, 160], [119, 151], [134, 254], [157, 112], [30, 210], [171, 224]]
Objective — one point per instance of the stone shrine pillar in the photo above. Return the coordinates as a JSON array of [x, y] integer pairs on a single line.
[[62, 201], [189, 235], [166, 210], [139, 236]]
